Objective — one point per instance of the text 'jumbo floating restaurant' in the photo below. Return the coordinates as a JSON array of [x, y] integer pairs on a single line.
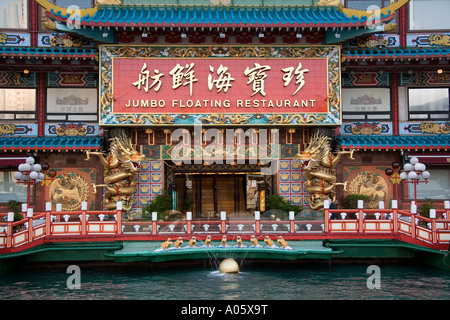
[[223, 103]]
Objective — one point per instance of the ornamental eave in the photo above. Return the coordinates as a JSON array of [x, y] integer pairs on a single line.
[[213, 16], [391, 143], [65, 143]]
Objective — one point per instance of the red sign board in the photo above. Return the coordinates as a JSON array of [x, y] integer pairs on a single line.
[[219, 85]]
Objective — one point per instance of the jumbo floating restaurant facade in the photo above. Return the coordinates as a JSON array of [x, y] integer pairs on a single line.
[[73, 78]]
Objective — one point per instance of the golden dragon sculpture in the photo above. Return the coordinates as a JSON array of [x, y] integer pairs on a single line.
[[119, 172], [319, 164]]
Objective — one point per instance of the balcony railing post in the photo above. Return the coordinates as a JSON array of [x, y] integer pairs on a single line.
[[10, 220], [188, 222], [154, 219], [30, 224], [326, 212], [394, 206], [433, 226], [447, 210], [48, 218], [413, 220], [361, 216], [292, 221], [119, 207], [83, 218], [223, 220], [257, 222]]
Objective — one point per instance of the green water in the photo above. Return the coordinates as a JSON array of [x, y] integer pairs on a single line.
[[274, 282]]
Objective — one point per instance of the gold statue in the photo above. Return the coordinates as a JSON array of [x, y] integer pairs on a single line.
[[319, 164], [239, 241], [178, 243], [208, 241], [254, 241], [119, 172], [192, 242], [224, 241], [268, 241], [282, 242], [166, 244]]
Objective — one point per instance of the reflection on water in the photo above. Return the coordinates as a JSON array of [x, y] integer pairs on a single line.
[[268, 283]]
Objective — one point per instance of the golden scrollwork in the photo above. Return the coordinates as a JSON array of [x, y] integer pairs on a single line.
[[329, 3], [439, 39], [189, 52], [143, 118], [6, 129], [216, 118], [434, 128], [300, 118], [3, 37]]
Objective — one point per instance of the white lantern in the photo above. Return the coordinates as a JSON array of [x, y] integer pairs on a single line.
[[18, 175], [419, 167], [34, 175], [41, 176], [25, 167], [408, 167], [412, 175], [30, 160], [403, 175], [413, 160], [425, 175], [36, 167]]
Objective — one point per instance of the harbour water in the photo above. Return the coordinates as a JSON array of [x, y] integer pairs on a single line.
[[272, 282]]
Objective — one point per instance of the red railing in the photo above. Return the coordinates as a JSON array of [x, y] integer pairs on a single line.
[[85, 225]]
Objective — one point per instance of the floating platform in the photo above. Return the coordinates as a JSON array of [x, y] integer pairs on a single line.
[[121, 252], [151, 251]]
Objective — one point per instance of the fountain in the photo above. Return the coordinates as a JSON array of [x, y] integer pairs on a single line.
[[222, 247], [229, 265]]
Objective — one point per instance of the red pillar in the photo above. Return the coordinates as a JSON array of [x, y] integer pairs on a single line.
[[395, 116], [41, 103]]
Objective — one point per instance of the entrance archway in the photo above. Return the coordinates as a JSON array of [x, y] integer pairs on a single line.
[[206, 190]]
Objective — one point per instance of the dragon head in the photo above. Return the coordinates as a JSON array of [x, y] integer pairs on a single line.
[[124, 150], [318, 146]]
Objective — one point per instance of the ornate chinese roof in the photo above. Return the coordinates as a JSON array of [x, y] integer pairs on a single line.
[[51, 143], [324, 14], [179, 16], [394, 142]]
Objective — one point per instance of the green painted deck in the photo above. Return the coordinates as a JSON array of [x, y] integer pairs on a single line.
[[151, 251]]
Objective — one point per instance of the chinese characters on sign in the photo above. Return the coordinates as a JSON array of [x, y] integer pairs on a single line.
[[256, 76], [207, 85]]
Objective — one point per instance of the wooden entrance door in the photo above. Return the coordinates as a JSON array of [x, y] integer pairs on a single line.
[[216, 193]]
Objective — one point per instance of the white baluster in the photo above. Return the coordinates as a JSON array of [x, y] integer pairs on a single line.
[[308, 227], [101, 217], [66, 217], [343, 215], [137, 227]]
